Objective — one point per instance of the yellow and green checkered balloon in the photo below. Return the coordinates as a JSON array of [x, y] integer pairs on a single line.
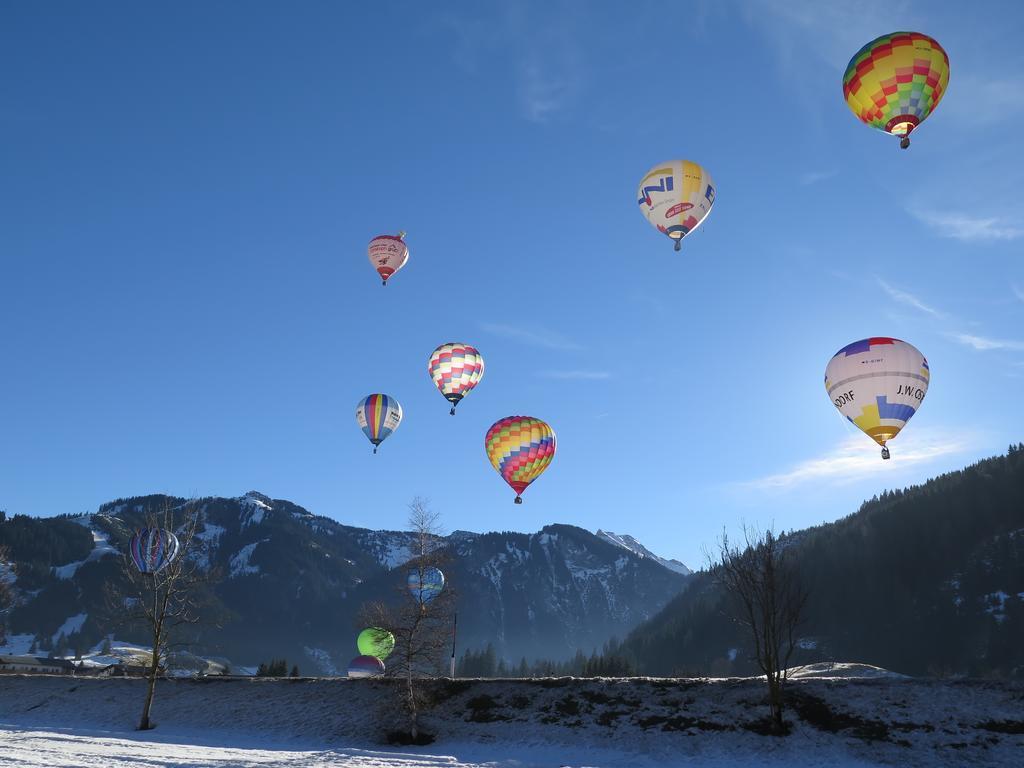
[[894, 83]]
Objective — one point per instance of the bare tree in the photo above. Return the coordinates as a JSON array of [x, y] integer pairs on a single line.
[[768, 599], [165, 601], [421, 630]]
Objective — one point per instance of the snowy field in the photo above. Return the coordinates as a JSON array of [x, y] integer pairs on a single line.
[[62, 721]]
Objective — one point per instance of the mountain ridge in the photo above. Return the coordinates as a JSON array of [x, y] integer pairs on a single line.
[[289, 582]]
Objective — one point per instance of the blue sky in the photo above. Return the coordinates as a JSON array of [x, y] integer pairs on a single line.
[[186, 305]]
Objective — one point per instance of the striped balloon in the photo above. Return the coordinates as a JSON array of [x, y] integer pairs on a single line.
[[520, 448], [153, 549], [425, 583], [894, 82], [378, 416], [455, 368]]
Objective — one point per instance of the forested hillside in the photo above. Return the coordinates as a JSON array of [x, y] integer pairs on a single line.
[[924, 581]]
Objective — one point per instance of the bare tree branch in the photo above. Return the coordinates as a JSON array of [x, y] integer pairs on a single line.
[[768, 599]]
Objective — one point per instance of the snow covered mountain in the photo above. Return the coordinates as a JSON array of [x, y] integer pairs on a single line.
[[287, 583], [627, 542]]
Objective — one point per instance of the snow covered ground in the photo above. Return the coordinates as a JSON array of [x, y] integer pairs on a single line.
[[641, 723]]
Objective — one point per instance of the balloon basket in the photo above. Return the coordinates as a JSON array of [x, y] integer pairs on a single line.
[[905, 142], [885, 452], [452, 411], [519, 500]]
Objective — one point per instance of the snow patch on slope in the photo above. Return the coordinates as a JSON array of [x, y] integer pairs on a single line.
[[240, 561], [628, 542], [70, 626], [101, 547], [841, 669], [254, 508], [17, 645], [322, 660]]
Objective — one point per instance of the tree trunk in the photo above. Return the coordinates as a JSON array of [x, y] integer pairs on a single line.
[[144, 722], [775, 703], [414, 730]]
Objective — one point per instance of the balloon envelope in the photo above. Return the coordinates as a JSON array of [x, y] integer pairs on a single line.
[[153, 549], [455, 369], [878, 384], [365, 666], [425, 583], [675, 197], [374, 641], [388, 254], [894, 82], [520, 448], [378, 416]]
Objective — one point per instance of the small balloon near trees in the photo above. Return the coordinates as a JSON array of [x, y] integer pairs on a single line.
[[421, 620]]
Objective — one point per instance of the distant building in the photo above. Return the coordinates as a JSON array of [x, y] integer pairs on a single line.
[[39, 664], [43, 665]]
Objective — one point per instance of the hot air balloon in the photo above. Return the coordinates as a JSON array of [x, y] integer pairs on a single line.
[[378, 416], [374, 641], [365, 666], [520, 448], [425, 583], [878, 384], [455, 368], [676, 196], [388, 254], [153, 549], [894, 82]]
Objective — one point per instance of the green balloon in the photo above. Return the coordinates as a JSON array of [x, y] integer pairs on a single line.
[[374, 641]]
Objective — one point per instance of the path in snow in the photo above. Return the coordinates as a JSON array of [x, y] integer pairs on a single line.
[[102, 749]]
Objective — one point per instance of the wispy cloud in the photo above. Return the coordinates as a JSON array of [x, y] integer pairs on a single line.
[[813, 177], [967, 228], [855, 458], [909, 299], [534, 337], [543, 51], [575, 375], [549, 80], [992, 99], [832, 31], [983, 344], [1017, 292]]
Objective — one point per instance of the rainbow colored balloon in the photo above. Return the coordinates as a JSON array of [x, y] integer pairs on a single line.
[[520, 448], [365, 666], [153, 549], [388, 254], [425, 583], [894, 82], [455, 369], [378, 416], [878, 384]]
